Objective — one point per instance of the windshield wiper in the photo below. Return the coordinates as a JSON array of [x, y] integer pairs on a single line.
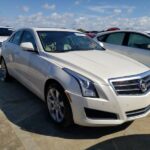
[[72, 50]]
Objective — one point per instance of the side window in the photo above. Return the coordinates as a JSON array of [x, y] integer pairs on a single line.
[[28, 37], [102, 38], [11, 38], [139, 41], [16, 37], [115, 38]]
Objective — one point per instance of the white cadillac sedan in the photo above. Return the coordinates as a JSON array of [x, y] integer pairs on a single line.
[[79, 81]]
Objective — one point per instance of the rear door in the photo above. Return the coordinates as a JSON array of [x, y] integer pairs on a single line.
[[12, 50]]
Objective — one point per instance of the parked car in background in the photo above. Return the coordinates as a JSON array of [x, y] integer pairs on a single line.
[[79, 80], [130, 43], [93, 34], [112, 29], [5, 32]]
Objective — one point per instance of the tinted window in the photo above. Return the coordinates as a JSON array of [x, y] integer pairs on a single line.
[[115, 38], [139, 41], [60, 41], [16, 37], [5, 32], [11, 38], [28, 37], [102, 38]]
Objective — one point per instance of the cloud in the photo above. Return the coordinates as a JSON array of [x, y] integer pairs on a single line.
[[71, 20], [111, 8], [98, 9], [117, 11], [130, 9], [49, 6], [77, 2], [25, 8]]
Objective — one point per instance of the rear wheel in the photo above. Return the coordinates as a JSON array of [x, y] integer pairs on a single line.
[[4, 72], [58, 105]]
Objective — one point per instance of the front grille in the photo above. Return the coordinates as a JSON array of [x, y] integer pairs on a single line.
[[134, 85], [138, 112]]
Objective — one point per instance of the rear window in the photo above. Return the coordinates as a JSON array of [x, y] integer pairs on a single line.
[[139, 41], [5, 31]]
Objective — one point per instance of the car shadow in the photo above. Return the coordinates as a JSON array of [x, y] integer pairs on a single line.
[[130, 142], [27, 111]]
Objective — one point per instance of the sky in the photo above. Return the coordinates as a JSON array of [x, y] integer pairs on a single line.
[[85, 14]]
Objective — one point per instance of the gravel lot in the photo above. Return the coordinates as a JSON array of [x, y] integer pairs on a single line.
[[25, 125]]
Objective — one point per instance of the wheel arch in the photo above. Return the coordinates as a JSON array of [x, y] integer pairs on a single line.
[[50, 81]]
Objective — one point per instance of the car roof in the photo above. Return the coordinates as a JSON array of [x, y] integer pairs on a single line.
[[141, 32], [49, 29]]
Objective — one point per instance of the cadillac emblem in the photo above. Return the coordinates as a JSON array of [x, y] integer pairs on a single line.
[[143, 86]]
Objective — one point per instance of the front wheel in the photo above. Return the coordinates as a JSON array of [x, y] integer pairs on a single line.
[[58, 106]]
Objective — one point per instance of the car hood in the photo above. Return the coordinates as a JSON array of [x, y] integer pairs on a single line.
[[3, 38], [101, 65]]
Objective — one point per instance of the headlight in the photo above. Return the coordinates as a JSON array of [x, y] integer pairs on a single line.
[[86, 85]]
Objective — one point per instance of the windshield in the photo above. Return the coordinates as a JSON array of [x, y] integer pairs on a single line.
[[61, 41], [5, 31]]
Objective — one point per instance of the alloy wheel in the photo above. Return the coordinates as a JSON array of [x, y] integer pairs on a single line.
[[55, 105]]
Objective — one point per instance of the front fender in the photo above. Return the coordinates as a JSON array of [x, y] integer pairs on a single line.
[[66, 81]]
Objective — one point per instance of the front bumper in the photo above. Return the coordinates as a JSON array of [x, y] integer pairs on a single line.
[[126, 108]]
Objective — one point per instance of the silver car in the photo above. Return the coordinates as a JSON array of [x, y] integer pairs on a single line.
[[133, 44]]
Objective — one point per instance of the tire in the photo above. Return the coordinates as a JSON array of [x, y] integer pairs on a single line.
[[4, 76], [58, 105]]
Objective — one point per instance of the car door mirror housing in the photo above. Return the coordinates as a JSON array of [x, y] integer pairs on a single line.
[[27, 46]]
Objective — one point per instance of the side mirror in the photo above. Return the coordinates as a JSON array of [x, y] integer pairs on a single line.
[[27, 46]]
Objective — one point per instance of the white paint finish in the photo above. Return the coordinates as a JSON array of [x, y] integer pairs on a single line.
[[102, 64], [27, 46]]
